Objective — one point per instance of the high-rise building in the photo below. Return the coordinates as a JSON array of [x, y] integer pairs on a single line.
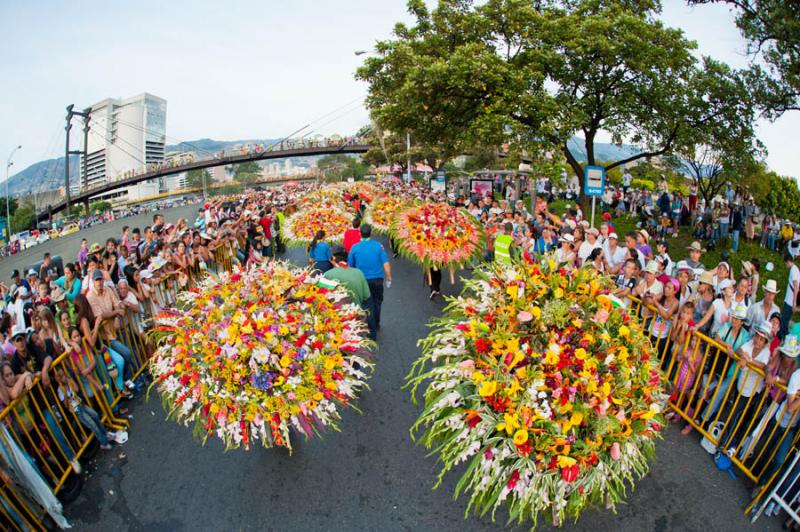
[[125, 136]]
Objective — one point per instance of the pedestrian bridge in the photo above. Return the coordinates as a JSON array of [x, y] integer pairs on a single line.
[[156, 170]]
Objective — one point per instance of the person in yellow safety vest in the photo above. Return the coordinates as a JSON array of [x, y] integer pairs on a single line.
[[503, 244]]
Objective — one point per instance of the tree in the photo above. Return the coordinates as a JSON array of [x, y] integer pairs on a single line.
[[388, 148], [772, 28], [12, 206], [533, 75], [248, 172], [337, 167], [199, 177], [24, 217], [721, 147], [100, 206]]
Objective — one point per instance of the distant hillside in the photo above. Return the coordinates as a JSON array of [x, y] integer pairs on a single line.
[[49, 175], [42, 177]]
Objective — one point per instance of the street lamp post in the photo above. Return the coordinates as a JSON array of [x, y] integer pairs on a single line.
[[9, 164]]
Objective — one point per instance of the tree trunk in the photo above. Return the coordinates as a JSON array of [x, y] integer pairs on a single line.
[[584, 200]]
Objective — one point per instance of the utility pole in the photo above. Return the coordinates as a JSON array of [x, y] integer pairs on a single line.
[[408, 157], [67, 152]]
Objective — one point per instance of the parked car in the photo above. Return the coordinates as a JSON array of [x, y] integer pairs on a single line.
[[69, 229], [53, 234]]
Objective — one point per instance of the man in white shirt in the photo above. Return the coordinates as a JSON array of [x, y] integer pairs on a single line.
[[762, 310], [626, 181], [613, 254], [790, 300]]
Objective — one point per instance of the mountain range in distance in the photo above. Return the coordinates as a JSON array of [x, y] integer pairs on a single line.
[[48, 175]]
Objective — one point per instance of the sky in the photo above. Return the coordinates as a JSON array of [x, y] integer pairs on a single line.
[[237, 69]]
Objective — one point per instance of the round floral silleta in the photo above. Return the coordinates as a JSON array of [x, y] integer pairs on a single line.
[[300, 228], [383, 212], [254, 354], [544, 387], [438, 235]]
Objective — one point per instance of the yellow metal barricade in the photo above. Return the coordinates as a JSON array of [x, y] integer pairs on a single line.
[[704, 380]]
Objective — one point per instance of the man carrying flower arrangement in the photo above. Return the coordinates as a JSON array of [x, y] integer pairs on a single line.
[[370, 257]]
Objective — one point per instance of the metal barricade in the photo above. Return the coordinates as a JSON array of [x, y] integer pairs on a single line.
[[704, 379]]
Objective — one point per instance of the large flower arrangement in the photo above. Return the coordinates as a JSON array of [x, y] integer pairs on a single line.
[[436, 234], [544, 386], [301, 227], [253, 354], [382, 213]]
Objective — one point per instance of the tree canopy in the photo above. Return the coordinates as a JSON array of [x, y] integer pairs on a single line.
[[535, 74], [199, 177], [248, 172], [772, 28]]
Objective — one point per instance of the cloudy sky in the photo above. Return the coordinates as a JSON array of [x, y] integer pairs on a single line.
[[238, 69]]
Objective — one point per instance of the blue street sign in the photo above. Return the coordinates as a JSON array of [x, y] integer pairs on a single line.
[[594, 183]]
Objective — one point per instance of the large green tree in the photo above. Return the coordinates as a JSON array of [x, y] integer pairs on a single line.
[[721, 146], [772, 28], [337, 167], [248, 172], [199, 178], [533, 75]]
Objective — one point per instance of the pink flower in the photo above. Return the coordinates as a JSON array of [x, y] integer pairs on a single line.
[[616, 453], [601, 316], [524, 317]]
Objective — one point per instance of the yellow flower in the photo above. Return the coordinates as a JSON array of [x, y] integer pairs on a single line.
[[510, 423], [537, 312], [566, 461], [520, 437], [624, 331], [576, 418], [558, 293], [487, 388], [477, 376], [512, 291], [580, 353], [514, 388], [286, 360]]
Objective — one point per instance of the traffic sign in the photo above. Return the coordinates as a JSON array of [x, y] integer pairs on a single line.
[[594, 183]]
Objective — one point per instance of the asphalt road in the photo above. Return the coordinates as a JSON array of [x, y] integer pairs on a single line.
[[370, 476], [68, 246]]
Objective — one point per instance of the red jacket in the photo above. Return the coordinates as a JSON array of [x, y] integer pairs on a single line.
[[351, 237]]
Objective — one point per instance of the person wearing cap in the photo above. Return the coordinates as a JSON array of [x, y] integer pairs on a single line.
[[33, 281], [753, 355], [695, 252], [685, 276], [370, 257], [722, 273], [649, 288], [106, 306], [504, 245], [565, 253], [792, 289], [28, 359], [759, 311], [589, 245], [17, 280], [643, 244], [704, 300], [352, 278], [782, 370], [613, 254]]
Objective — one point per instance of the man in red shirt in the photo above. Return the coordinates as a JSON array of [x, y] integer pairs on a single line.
[[353, 235]]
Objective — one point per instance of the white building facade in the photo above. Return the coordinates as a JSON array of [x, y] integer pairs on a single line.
[[124, 136]]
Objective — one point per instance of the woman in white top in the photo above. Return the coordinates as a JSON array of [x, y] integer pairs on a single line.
[[720, 309], [565, 253], [666, 306], [753, 355]]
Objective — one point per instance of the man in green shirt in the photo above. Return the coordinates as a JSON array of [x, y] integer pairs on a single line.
[[352, 278]]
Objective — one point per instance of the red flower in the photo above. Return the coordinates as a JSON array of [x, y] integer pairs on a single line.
[[473, 418], [525, 449], [569, 474], [512, 482], [336, 376], [482, 345]]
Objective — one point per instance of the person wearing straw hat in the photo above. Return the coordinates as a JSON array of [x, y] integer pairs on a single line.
[[753, 355], [792, 289], [643, 243], [732, 335], [760, 311], [685, 276], [695, 252], [782, 427]]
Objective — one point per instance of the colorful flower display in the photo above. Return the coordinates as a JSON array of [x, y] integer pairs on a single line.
[[549, 391], [254, 354], [436, 234], [301, 227], [382, 213]]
